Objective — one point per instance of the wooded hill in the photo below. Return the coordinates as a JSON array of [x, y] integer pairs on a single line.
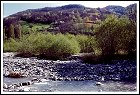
[[73, 18]]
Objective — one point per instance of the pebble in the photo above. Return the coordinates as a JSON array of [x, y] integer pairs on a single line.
[[43, 80], [11, 86], [99, 83], [71, 70], [26, 89], [5, 86], [102, 78], [21, 90], [100, 90], [35, 80]]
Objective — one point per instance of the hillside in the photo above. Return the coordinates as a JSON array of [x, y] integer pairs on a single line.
[[58, 32], [71, 18]]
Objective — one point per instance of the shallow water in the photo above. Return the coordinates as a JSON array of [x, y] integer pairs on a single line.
[[83, 86], [72, 70], [75, 86], [10, 81]]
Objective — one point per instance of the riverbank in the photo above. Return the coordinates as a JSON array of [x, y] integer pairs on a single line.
[[71, 70]]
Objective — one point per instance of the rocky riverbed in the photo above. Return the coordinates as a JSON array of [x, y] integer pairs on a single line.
[[113, 75]]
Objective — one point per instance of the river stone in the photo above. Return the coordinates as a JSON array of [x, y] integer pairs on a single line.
[[5, 86], [26, 89], [99, 83], [27, 83], [11, 86], [35, 80], [72, 69], [21, 90], [15, 74], [43, 80]]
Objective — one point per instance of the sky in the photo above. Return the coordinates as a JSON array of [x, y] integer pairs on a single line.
[[17, 6]]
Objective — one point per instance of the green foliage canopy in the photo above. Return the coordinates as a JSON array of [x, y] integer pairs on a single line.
[[116, 34]]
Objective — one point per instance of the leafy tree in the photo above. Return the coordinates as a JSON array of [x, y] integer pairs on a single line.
[[114, 34], [18, 31], [87, 24], [126, 34], [4, 34], [106, 35], [79, 19], [11, 31], [131, 12]]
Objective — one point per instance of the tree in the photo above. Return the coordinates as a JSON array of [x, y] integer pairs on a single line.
[[17, 31], [131, 37], [87, 24], [79, 19], [131, 12], [4, 34], [126, 35], [114, 34], [105, 35], [11, 31]]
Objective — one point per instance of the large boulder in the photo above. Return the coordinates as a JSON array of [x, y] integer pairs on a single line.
[[15, 74]]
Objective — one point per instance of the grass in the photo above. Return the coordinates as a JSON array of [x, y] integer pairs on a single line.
[[28, 28]]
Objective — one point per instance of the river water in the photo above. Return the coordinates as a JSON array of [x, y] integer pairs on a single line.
[[87, 84], [75, 86]]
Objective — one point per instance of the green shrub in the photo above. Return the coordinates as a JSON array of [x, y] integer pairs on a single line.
[[25, 29], [70, 36], [63, 47], [10, 45], [25, 47], [48, 45], [35, 44], [87, 43], [95, 59], [82, 40], [88, 58], [43, 42]]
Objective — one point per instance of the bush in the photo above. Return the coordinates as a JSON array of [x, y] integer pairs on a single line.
[[97, 58], [63, 47], [10, 45], [91, 58], [35, 44], [70, 36], [48, 45], [25, 47], [82, 40], [87, 43]]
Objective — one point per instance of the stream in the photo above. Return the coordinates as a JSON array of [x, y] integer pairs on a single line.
[[68, 76]]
